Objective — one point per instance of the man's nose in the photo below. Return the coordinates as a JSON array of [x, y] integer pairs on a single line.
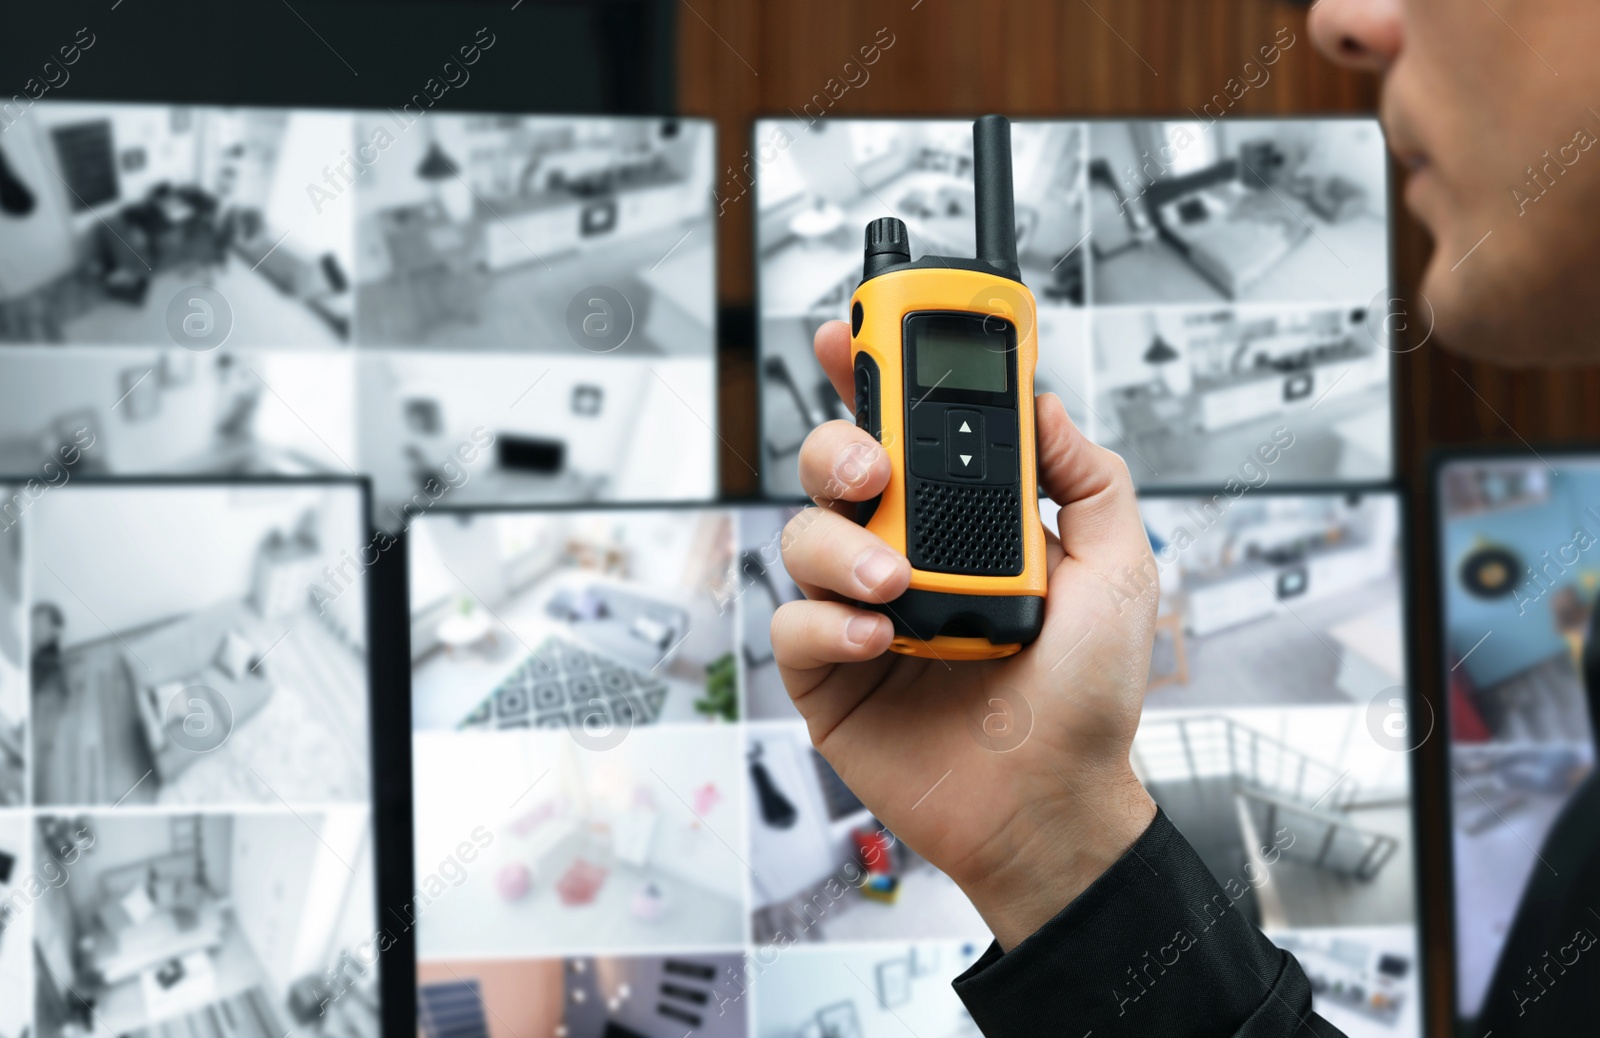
[[1359, 34]]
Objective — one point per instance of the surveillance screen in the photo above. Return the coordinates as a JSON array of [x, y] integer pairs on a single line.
[[1199, 283], [578, 771], [1273, 736], [473, 308], [621, 821], [1518, 581], [1275, 731], [186, 832]]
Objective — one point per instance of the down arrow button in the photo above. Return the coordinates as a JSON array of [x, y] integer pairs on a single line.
[[964, 442]]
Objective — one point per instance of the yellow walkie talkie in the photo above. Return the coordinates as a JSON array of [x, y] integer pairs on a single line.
[[944, 350]]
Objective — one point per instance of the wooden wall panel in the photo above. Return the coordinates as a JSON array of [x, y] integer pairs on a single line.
[[957, 57], [742, 58]]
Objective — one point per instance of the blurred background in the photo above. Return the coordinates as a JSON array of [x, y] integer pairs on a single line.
[[732, 63]]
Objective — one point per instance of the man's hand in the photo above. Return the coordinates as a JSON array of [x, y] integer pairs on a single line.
[[1012, 776]]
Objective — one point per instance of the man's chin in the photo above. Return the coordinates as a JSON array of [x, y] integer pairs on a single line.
[[1490, 315], [1460, 324]]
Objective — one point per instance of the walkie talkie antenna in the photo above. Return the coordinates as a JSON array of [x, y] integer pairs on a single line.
[[991, 177]]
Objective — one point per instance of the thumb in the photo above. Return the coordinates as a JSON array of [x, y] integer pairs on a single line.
[[1099, 521]]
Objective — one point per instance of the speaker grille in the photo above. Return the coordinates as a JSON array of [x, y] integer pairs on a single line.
[[974, 530]]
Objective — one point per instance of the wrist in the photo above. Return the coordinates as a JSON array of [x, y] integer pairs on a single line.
[[1056, 849]]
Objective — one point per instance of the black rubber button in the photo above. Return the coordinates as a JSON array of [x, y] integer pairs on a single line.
[[965, 443]]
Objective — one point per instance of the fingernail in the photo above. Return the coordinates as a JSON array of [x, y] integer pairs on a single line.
[[861, 629], [875, 567]]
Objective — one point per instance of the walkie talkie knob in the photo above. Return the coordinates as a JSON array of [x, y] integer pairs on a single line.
[[888, 246]]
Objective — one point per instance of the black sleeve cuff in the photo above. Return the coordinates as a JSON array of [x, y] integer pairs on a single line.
[[1154, 946]]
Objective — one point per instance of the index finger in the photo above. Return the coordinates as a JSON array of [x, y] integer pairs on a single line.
[[1099, 518], [832, 345]]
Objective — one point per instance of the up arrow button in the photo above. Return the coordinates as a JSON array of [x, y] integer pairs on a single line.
[[964, 443]]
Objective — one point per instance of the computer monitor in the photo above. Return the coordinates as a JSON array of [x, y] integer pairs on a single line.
[[186, 758], [477, 308], [572, 729], [1279, 646], [1517, 580], [1201, 284], [1274, 730]]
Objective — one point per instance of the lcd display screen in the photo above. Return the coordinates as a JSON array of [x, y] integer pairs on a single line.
[[959, 354]]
